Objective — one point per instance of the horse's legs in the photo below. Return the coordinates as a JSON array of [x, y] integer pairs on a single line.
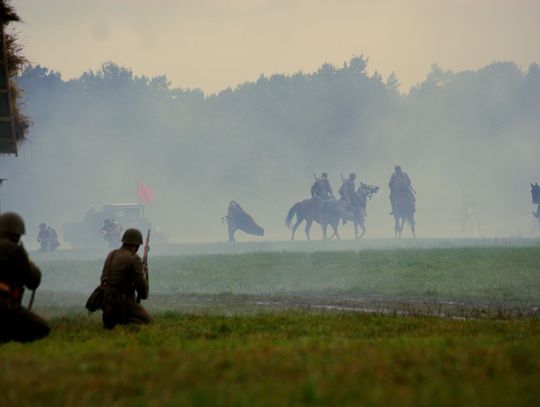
[[413, 227], [396, 226], [324, 227], [363, 227], [335, 226], [308, 228], [402, 225], [298, 222]]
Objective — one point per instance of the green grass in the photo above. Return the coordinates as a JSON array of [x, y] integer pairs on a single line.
[[488, 275], [286, 358]]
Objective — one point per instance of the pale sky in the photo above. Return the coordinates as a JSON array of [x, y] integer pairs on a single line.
[[213, 44]]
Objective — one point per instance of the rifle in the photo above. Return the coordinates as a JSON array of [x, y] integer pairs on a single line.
[[412, 189], [145, 260], [314, 176]]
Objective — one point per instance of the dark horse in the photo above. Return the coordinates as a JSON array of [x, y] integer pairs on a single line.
[[331, 212], [535, 193], [237, 218], [404, 208], [314, 210]]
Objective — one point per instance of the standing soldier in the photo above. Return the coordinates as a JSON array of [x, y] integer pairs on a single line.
[[44, 238], [347, 191], [399, 183], [321, 188], [16, 272], [122, 277]]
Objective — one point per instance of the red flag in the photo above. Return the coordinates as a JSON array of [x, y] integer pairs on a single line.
[[145, 194]]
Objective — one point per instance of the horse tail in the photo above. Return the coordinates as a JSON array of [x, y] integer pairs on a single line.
[[290, 215]]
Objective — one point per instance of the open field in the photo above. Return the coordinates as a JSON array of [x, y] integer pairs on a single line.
[[449, 281], [305, 327], [277, 359]]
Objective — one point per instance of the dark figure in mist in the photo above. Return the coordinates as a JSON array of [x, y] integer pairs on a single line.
[[238, 219], [330, 212], [123, 277], [402, 200], [347, 191], [535, 192], [47, 238], [321, 188], [111, 232], [17, 272]]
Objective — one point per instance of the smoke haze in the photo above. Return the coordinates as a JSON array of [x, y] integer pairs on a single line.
[[473, 133]]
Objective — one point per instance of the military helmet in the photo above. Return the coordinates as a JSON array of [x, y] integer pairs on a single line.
[[12, 223], [352, 175], [42, 225], [324, 175], [132, 236], [397, 167]]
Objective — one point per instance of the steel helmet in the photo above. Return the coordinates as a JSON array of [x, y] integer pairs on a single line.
[[12, 223], [132, 236], [352, 175], [324, 175]]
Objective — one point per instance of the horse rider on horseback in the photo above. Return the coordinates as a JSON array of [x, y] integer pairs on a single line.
[[347, 191], [321, 188], [399, 183]]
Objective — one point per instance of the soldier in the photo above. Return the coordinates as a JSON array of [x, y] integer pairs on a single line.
[[111, 231], [321, 188], [54, 243], [16, 272], [347, 191], [399, 183], [44, 237], [123, 275]]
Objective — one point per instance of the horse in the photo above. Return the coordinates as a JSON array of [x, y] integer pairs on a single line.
[[356, 210], [308, 210], [238, 219], [535, 193], [404, 208]]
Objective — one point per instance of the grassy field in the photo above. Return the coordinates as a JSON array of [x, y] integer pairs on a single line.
[[498, 277], [274, 328], [286, 358]]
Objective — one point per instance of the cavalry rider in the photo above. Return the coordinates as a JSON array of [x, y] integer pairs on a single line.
[[347, 191], [399, 183], [321, 188]]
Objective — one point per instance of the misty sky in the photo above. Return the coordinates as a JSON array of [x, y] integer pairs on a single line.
[[211, 44]]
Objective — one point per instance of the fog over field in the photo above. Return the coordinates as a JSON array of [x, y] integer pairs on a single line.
[[473, 133]]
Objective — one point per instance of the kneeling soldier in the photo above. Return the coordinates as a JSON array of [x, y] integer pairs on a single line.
[[124, 275], [16, 272]]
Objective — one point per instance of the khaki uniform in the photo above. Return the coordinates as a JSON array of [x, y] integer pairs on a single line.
[[16, 272], [122, 278]]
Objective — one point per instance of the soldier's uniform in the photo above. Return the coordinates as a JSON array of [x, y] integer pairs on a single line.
[[123, 278], [347, 191], [321, 188], [17, 272], [399, 183], [44, 237]]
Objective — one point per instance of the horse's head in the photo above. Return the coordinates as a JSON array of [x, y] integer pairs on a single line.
[[368, 190]]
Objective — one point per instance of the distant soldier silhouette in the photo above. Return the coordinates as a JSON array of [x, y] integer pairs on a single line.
[[17, 272], [111, 231], [321, 188], [399, 183], [347, 191], [44, 237]]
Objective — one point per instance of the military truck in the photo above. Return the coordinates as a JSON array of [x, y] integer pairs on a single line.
[[86, 234]]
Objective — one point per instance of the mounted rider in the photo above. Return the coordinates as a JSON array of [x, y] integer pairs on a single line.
[[399, 184], [321, 188], [347, 191]]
